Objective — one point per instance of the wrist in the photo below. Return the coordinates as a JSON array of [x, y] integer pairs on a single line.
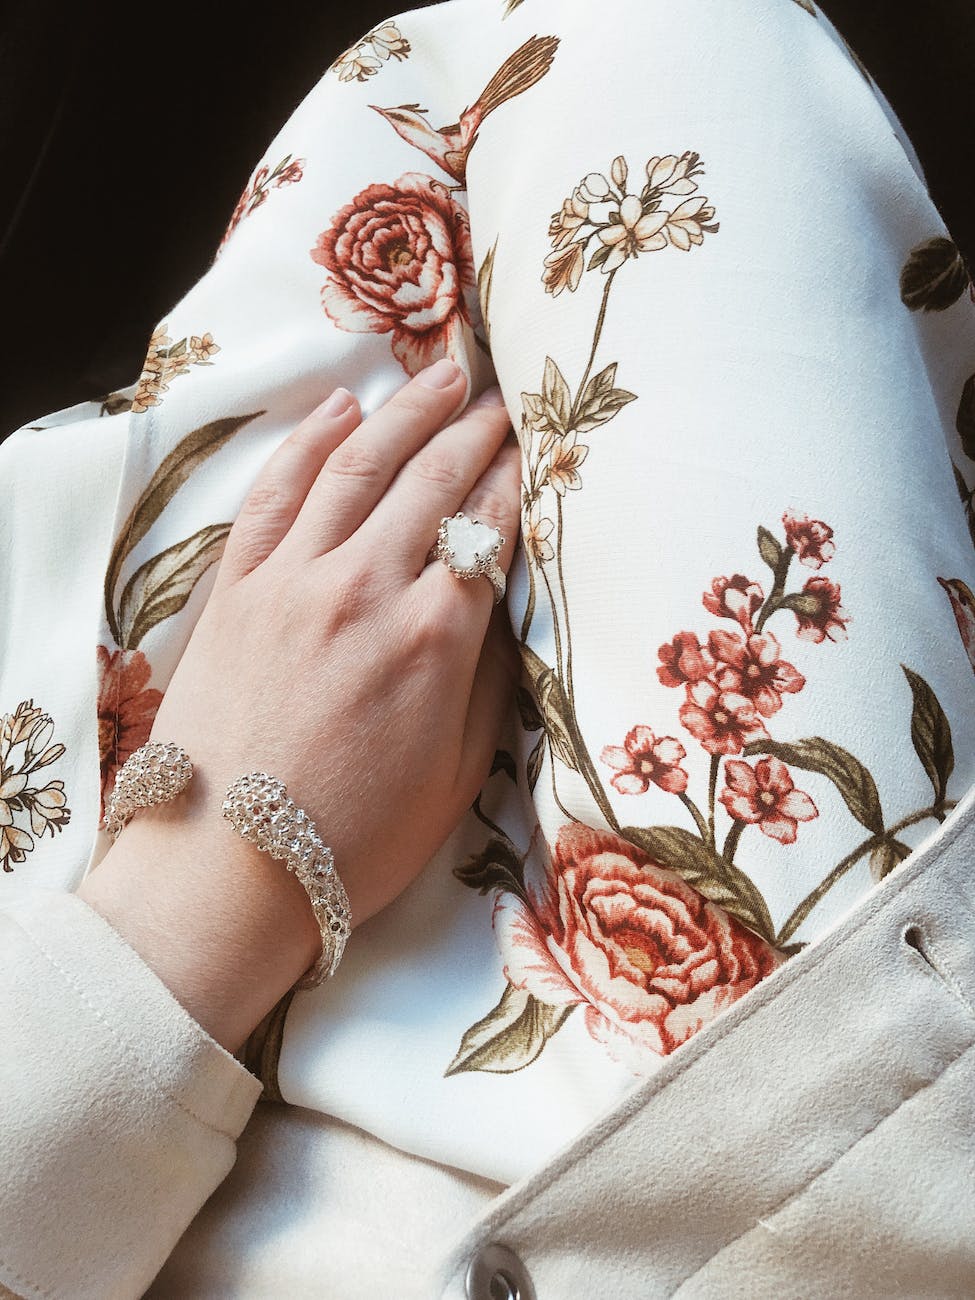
[[227, 928]]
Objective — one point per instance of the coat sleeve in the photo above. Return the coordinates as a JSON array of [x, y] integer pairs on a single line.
[[119, 1114]]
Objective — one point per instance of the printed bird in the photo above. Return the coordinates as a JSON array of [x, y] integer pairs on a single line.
[[963, 605], [450, 145]]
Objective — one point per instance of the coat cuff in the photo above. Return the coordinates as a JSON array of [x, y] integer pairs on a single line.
[[120, 1113]]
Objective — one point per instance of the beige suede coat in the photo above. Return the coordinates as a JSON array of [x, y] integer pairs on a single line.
[[818, 1141]]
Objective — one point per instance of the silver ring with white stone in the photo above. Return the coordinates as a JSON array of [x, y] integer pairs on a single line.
[[470, 549]]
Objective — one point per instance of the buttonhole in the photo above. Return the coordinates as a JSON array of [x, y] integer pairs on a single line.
[[503, 1287], [915, 939]]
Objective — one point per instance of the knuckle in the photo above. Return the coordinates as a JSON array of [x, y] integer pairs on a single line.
[[414, 403], [496, 508], [435, 625], [436, 467], [266, 498], [426, 621], [349, 594], [494, 416], [355, 461], [242, 555], [306, 440]]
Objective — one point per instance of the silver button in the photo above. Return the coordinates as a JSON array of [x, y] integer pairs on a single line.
[[496, 1273]]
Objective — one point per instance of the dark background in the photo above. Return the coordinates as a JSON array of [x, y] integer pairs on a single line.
[[122, 155]]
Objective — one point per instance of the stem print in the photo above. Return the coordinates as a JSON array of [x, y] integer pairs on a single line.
[[653, 930], [157, 590], [289, 171], [612, 222]]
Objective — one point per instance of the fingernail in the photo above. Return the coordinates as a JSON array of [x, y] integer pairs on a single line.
[[440, 375], [335, 404], [490, 397]]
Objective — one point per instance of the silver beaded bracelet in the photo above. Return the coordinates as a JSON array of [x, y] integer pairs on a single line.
[[259, 809], [155, 773]]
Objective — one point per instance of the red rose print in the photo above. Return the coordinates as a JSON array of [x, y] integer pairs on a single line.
[[643, 759], [723, 721], [819, 612], [811, 539], [735, 597], [400, 261], [764, 795], [126, 710], [683, 660], [650, 959], [754, 669]]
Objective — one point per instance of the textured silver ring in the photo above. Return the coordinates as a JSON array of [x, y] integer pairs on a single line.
[[470, 549]]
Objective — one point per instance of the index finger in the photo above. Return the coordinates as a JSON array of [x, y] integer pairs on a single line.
[[357, 473]]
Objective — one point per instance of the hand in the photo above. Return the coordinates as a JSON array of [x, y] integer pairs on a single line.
[[334, 656]]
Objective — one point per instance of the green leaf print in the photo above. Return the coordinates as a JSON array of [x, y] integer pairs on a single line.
[[706, 871], [509, 1037], [847, 773], [931, 734]]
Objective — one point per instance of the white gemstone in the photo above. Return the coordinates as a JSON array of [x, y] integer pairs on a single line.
[[470, 542]]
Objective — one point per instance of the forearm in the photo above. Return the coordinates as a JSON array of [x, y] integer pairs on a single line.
[[226, 928]]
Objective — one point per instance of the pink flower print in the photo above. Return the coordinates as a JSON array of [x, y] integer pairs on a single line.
[[811, 539], [684, 660], [736, 597], [644, 759], [819, 613], [764, 795], [563, 470], [723, 721], [291, 174], [754, 668], [288, 172]]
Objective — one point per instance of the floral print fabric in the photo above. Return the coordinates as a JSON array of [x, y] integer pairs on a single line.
[[747, 691], [26, 749], [647, 956], [400, 263]]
